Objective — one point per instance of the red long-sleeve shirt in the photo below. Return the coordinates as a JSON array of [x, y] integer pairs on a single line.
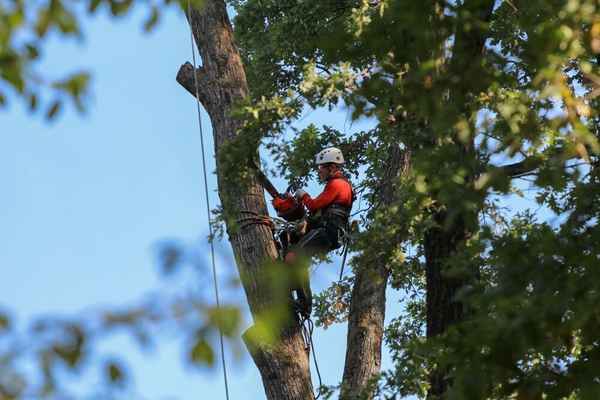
[[337, 191]]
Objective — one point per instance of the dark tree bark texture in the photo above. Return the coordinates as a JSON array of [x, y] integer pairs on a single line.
[[443, 309], [444, 239]]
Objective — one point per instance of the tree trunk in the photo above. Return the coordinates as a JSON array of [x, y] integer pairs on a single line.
[[443, 309], [283, 364], [443, 240], [367, 305]]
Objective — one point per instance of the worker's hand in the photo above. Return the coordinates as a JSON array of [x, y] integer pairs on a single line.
[[278, 203], [299, 194]]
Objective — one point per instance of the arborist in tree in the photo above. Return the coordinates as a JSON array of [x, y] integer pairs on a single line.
[[328, 219]]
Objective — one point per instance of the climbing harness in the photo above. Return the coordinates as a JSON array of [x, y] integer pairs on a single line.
[[210, 228]]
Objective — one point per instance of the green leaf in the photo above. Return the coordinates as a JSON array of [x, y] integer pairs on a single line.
[[71, 345], [15, 20], [11, 69], [120, 7], [93, 7], [53, 110], [66, 21], [32, 51], [76, 86], [226, 319], [115, 372], [202, 353], [152, 20], [5, 323], [43, 22], [33, 102], [171, 257]]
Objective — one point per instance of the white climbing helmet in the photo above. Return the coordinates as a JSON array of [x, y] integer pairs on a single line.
[[329, 155]]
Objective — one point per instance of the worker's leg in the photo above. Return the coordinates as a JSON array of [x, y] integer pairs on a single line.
[[315, 241]]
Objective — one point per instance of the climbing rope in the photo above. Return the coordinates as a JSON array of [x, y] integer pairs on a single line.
[[345, 254], [210, 228], [307, 326]]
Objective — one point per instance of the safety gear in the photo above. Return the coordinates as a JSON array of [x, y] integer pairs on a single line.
[[338, 190], [329, 213], [299, 194], [288, 208], [330, 155]]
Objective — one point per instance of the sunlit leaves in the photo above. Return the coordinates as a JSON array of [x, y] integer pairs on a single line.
[[333, 304], [264, 118]]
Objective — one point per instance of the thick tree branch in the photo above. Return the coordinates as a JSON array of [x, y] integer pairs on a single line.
[[444, 240], [520, 168], [528, 165], [367, 305]]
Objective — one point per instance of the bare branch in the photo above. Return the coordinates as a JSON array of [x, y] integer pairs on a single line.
[[521, 168]]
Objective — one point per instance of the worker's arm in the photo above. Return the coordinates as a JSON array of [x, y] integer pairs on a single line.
[[324, 199]]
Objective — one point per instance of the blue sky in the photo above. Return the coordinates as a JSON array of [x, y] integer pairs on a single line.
[[86, 199]]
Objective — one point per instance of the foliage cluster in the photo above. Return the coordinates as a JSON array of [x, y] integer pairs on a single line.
[[486, 97]]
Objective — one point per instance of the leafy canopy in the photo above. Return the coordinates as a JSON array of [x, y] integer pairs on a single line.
[[488, 98]]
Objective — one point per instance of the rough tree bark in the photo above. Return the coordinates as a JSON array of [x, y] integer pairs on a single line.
[[443, 310], [284, 365], [367, 304]]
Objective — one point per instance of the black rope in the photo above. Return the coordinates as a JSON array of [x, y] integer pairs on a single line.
[[344, 260], [307, 326]]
